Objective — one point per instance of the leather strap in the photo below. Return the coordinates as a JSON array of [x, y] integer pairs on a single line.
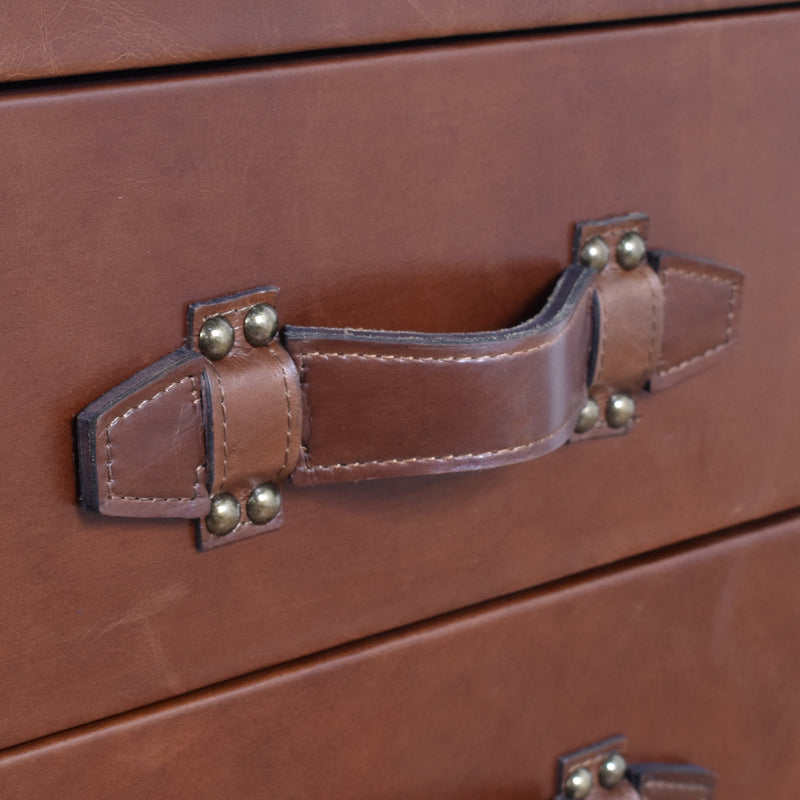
[[384, 404], [333, 404], [641, 781], [671, 781]]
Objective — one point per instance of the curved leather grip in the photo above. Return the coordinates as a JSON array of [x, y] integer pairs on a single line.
[[383, 404], [321, 404]]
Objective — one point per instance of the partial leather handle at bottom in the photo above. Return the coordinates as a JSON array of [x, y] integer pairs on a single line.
[[601, 772], [212, 430]]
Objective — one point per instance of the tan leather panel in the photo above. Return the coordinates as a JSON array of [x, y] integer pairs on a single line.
[[156, 415], [41, 38], [693, 338], [344, 181], [694, 656]]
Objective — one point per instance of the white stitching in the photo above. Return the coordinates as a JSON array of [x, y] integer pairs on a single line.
[[224, 426], [440, 359], [441, 459], [426, 359], [734, 288], [288, 410], [650, 366], [109, 458], [601, 350], [677, 787]]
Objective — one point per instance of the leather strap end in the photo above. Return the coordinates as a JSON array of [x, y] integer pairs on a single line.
[[141, 446], [165, 441], [702, 304], [671, 781]]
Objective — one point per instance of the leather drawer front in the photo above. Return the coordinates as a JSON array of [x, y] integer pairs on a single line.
[[693, 656], [42, 38], [396, 190]]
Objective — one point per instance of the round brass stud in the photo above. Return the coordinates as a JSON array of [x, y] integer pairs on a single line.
[[588, 417], [620, 410], [594, 253], [224, 515], [216, 338], [631, 250], [260, 324], [264, 503], [611, 771], [578, 784]]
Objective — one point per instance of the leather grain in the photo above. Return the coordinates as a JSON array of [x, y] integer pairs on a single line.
[[433, 187], [694, 656], [381, 403], [387, 405], [43, 38]]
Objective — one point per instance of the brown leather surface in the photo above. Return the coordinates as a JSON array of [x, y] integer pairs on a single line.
[[42, 38], [668, 782], [402, 190], [155, 415], [631, 320], [389, 405], [379, 403], [694, 656], [689, 290]]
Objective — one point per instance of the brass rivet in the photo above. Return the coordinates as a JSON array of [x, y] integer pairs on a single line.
[[578, 784], [260, 324], [631, 250], [595, 253], [611, 771], [224, 515], [588, 417], [216, 338], [264, 503], [619, 410]]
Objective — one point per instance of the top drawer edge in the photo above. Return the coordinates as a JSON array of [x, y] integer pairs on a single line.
[[50, 38]]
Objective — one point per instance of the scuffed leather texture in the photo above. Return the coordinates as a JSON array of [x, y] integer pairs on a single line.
[[187, 428], [141, 447], [124, 202], [694, 655], [43, 38], [380, 404]]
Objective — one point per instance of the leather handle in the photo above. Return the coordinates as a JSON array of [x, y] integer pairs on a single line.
[[318, 405], [600, 772], [385, 404]]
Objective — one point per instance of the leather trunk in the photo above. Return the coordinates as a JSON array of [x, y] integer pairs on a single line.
[[418, 180]]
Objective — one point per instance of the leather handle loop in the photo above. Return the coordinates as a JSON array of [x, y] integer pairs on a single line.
[[384, 404], [319, 405], [600, 772]]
